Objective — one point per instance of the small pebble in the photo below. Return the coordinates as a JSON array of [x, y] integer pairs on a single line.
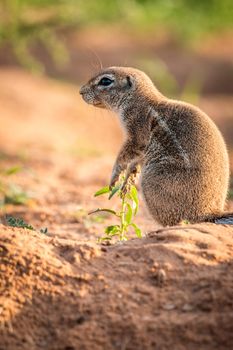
[[169, 306], [187, 307], [161, 276]]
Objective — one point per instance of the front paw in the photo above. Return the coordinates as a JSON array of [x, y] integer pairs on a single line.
[[113, 180], [113, 183], [124, 187], [130, 180]]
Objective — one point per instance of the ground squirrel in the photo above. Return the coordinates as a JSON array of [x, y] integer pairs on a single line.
[[183, 157]]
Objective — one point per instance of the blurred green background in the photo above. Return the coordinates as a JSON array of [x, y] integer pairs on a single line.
[[35, 32], [188, 19]]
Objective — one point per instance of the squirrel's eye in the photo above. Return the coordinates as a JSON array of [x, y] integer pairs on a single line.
[[105, 82]]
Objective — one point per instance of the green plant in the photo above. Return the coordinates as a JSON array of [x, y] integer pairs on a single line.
[[14, 194], [11, 193], [128, 210], [44, 231], [18, 222]]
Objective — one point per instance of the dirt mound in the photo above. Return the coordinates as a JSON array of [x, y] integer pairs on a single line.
[[173, 287]]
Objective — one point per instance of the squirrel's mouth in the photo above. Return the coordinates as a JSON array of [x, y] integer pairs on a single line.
[[98, 104], [90, 99]]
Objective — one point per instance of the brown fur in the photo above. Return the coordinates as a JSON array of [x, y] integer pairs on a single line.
[[185, 166]]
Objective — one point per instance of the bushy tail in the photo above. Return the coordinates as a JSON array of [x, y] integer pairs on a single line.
[[223, 218]]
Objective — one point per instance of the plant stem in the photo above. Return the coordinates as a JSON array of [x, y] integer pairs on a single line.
[[122, 217]]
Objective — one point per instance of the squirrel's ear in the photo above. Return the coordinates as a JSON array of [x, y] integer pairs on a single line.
[[129, 82]]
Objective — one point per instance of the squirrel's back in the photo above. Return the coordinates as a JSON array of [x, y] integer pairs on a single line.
[[186, 171]]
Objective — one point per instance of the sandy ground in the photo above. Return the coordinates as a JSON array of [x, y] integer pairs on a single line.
[[63, 291]]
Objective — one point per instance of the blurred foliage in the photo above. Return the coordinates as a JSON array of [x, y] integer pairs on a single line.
[[185, 18], [27, 23], [230, 192], [11, 193], [159, 72]]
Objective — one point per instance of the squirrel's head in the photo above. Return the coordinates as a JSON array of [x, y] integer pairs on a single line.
[[113, 87]]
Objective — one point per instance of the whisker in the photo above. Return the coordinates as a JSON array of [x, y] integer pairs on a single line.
[[97, 65]]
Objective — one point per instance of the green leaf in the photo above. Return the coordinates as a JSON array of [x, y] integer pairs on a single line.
[[13, 170], [44, 230], [137, 230], [112, 229], [114, 190], [129, 214], [134, 196], [103, 190], [103, 209]]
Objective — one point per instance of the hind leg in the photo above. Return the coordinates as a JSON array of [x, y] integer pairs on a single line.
[[168, 196]]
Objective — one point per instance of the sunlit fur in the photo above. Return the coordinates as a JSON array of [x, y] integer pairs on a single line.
[[185, 166]]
